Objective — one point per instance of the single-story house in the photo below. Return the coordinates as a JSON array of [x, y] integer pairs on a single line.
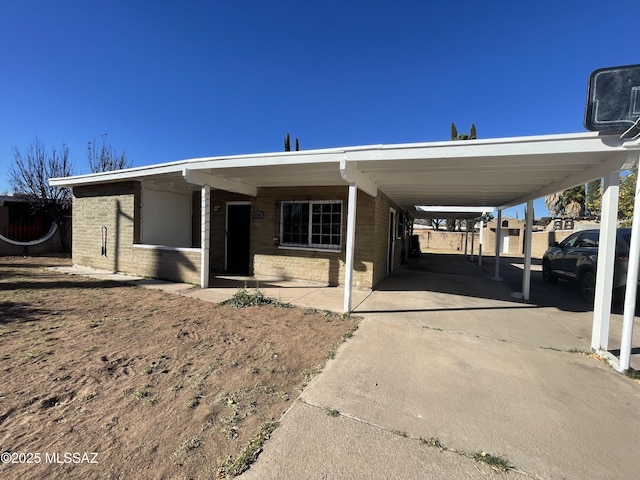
[[339, 216]]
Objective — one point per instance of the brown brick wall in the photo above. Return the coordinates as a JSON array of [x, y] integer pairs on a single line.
[[320, 266], [117, 207], [267, 259], [113, 206], [181, 265], [380, 243]]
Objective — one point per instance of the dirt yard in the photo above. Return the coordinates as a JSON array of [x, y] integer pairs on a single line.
[[103, 380]]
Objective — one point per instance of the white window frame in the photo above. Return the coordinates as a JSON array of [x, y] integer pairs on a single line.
[[310, 245]]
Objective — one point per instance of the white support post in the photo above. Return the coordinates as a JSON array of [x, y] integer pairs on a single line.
[[526, 274], [473, 234], [349, 255], [606, 257], [466, 240], [632, 286], [480, 240], [205, 232], [498, 244]]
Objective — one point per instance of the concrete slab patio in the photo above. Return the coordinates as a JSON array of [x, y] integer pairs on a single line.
[[446, 354]]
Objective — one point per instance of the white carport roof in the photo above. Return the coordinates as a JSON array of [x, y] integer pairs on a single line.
[[500, 172]]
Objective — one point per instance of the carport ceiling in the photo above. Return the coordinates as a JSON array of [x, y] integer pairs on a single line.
[[479, 173]]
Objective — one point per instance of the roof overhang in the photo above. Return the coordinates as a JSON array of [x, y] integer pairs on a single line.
[[488, 173]]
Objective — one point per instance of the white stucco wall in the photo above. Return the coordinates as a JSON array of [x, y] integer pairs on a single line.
[[165, 216]]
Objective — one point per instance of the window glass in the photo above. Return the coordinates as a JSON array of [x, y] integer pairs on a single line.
[[312, 224], [589, 239], [570, 241]]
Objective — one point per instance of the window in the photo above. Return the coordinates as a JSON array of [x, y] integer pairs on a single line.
[[588, 240], [570, 241], [315, 224]]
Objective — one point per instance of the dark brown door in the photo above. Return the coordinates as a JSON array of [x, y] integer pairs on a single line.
[[238, 238]]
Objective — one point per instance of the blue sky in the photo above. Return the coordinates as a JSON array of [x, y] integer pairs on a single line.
[[169, 80]]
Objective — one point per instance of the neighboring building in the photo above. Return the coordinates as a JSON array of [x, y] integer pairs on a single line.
[[25, 230]]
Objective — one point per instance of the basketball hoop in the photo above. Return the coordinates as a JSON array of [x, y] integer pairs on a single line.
[[613, 100]]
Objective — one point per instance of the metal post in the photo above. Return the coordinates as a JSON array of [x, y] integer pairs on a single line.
[[349, 255], [498, 238], [480, 241], [205, 232], [473, 234], [604, 270], [526, 274], [466, 239], [632, 286]]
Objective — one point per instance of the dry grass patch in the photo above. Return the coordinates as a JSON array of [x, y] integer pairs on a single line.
[[160, 385]]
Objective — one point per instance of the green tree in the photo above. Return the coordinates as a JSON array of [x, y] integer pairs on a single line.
[[287, 143], [594, 197], [29, 176], [573, 200], [463, 136], [627, 197]]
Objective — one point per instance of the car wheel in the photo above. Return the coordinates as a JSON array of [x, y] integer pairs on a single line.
[[547, 274], [588, 286]]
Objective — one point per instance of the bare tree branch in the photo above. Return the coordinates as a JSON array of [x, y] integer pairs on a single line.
[[29, 175], [103, 158]]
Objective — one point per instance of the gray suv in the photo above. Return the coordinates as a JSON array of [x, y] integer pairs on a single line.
[[575, 258]]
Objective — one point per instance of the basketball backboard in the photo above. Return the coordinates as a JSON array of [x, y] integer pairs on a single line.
[[613, 99]]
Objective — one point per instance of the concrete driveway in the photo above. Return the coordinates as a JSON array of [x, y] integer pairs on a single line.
[[447, 364]]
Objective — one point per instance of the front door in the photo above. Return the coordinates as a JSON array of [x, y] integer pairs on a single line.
[[238, 236]]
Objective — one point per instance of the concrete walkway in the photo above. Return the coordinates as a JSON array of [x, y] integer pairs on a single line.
[[223, 287], [444, 356]]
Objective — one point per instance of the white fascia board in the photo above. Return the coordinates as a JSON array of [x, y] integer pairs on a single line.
[[517, 146], [220, 183], [208, 163], [351, 174], [501, 147], [613, 164], [137, 173]]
